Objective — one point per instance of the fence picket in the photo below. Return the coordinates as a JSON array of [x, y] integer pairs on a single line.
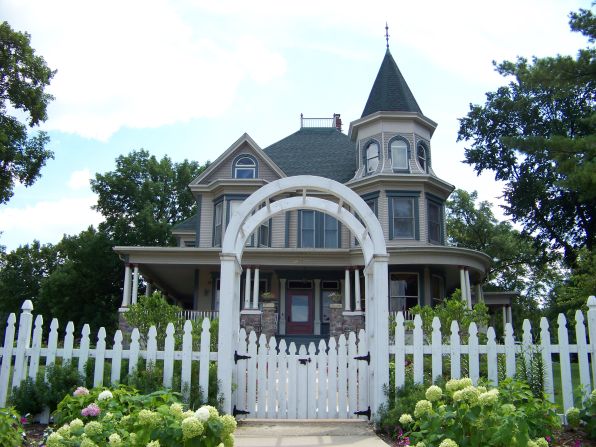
[[582, 354], [168, 357], [36, 347], [271, 400], [301, 397], [68, 343], [292, 381], [151, 352], [134, 351], [566, 384], [437, 349], [352, 375], [400, 350], [116, 358], [186, 367], [7, 358], [509, 351], [418, 356], [362, 372], [251, 369], [592, 332], [204, 356], [342, 377], [311, 388], [52, 344], [282, 399], [491, 356], [455, 349], [262, 376], [84, 348], [100, 353], [23, 342], [547, 360], [473, 356], [332, 379], [241, 372], [322, 381]]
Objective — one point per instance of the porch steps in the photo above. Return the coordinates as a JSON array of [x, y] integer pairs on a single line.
[[303, 427]]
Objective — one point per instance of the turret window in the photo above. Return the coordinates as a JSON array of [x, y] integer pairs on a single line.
[[399, 155], [372, 157], [245, 166], [421, 156]]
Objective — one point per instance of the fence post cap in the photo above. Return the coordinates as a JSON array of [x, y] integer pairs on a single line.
[[27, 306], [592, 301]]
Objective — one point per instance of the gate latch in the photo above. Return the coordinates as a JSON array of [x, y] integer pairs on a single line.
[[364, 357], [361, 413], [304, 361], [236, 412], [240, 357]]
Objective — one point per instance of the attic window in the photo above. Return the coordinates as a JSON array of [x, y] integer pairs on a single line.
[[372, 157], [245, 166], [421, 156]]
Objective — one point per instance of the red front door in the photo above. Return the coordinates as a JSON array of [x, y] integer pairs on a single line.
[[300, 312]]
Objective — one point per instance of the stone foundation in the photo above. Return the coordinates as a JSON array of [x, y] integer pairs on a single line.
[[353, 322], [342, 322], [250, 320]]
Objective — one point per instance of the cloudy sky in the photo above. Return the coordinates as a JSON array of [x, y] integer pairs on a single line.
[[187, 77]]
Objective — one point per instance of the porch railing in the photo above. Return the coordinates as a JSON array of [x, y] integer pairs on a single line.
[[197, 315]]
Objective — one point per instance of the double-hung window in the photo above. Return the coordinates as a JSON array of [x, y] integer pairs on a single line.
[[217, 223], [434, 220], [399, 154], [372, 157], [403, 215], [422, 157], [317, 230]]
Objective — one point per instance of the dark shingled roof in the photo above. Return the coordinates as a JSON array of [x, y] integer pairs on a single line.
[[185, 225], [325, 152], [390, 92]]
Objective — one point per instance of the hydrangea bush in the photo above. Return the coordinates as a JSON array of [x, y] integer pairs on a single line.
[[123, 418], [464, 415], [586, 417]]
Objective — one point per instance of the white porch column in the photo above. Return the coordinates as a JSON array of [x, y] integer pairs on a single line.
[[509, 315], [504, 318], [347, 291], [126, 290], [228, 300], [378, 335], [468, 289], [462, 285], [357, 296], [255, 290], [479, 294], [247, 289], [427, 291], [135, 284], [317, 283], [148, 289], [282, 306]]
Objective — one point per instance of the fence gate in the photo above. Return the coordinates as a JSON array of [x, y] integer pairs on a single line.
[[282, 382]]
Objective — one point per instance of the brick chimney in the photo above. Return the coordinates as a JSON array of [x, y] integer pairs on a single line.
[[337, 121]]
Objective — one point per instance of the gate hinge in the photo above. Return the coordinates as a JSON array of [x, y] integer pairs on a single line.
[[364, 357], [304, 361], [360, 413], [240, 357], [236, 412]]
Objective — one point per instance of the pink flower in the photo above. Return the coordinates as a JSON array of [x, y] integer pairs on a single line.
[[91, 410], [80, 391], [23, 420]]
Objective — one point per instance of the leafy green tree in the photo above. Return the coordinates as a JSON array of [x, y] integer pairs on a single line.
[[86, 286], [538, 135], [23, 79], [143, 197], [22, 272], [517, 264]]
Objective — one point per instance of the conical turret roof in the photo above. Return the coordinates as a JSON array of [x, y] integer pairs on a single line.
[[390, 92]]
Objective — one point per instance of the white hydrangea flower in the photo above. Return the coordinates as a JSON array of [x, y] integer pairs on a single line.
[[104, 395], [406, 419], [202, 414]]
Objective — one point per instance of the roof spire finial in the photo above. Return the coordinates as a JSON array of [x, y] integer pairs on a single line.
[[387, 34]]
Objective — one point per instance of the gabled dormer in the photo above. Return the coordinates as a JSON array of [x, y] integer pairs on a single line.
[[393, 135]]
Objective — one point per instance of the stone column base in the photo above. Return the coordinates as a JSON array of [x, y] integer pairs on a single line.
[[336, 320], [250, 320], [269, 320], [124, 327], [353, 322]]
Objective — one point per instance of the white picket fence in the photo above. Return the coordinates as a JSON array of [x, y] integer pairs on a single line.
[[23, 359], [512, 351], [283, 382]]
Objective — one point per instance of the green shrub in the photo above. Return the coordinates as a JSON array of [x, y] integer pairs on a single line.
[[586, 417], [11, 429], [29, 396], [126, 418], [61, 380], [507, 416]]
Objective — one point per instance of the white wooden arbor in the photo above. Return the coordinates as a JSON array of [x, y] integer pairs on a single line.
[[372, 242]]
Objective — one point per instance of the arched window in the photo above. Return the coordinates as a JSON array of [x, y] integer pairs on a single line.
[[399, 155], [372, 157], [421, 156], [245, 166]]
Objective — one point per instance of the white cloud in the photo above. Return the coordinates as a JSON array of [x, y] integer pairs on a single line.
[[79, 179], [47, 221]]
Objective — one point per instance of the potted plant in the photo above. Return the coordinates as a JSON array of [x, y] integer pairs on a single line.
[[267, 296], [335, 297]]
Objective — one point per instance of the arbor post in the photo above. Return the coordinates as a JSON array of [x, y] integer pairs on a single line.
[[378, 331]]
